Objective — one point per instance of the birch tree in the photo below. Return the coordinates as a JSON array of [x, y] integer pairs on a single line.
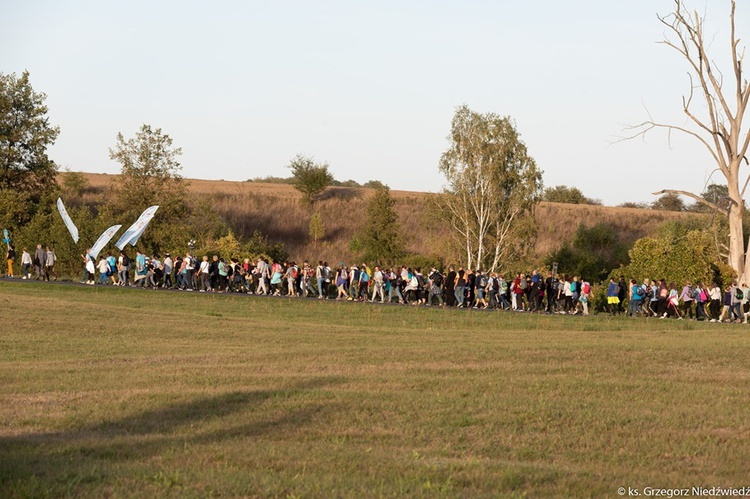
[[715, 108], [493, 187]]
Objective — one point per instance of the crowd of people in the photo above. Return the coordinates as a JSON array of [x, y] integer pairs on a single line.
[[42, 264], [458, 287], [697, 301]]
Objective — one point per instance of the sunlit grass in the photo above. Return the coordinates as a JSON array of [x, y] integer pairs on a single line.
[[142, 393]]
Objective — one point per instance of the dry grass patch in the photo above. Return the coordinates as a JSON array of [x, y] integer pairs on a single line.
[[276, 210]]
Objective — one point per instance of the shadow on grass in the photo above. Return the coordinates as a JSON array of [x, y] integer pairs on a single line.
[[50, 463]]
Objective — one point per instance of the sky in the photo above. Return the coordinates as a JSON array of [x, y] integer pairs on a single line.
[[369, 88]]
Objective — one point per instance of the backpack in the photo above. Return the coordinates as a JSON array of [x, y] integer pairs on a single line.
[[586, 288], [522, 284], [437, 279], [483, 282], [125, 261], [739, 294], [616, 289], [495, 284], [295, 272], [638, 291], [420, 281]]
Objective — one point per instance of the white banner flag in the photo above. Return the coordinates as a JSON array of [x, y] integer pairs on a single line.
[[68, 222], [103, 240], [135, 231]]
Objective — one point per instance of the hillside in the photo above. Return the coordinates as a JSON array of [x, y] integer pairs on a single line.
[[276, 210]]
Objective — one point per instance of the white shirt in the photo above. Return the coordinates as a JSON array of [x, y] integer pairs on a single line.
[[103, 266]]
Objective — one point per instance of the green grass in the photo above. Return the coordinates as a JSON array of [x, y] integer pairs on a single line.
[[111, 392]]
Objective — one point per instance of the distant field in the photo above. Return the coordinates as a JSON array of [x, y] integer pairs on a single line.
[[120, 392], [275, 210]]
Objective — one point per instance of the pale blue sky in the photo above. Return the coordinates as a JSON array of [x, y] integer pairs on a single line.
[[369, 87]]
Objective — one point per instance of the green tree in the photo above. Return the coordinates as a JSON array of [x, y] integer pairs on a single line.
[[345, 183], [260, 245], [594, 252], [228, 246], [74, 184], [677, 257], [310, 179], [493, 188], [669, 202], [317, 230], [14, 208], [150, 176], [715, 193], [25, 134], [373, 184], [633, 204], [379, 240], [565, 194]]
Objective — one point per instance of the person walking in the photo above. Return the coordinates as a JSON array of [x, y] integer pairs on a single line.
[[458, 286], [636, 295], [687, 297], [39, 257], [613, 299], [49, 264], [26, 264], [203, 271], [378, 285], [714, 306], [10, 256]]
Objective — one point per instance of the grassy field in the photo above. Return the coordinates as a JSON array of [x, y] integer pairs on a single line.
[[112, 392]]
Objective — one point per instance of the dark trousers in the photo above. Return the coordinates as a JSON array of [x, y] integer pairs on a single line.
[[687, 308], [715, 308]]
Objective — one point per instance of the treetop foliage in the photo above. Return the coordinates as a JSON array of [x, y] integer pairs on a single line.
[[148, 154], [379, 240], [669, 202], [594, 252], [493, 187], [568, 195], [25, 134], [692, 256], [310, 179]]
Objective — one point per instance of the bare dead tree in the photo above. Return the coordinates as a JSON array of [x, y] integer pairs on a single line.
[[718, 127]]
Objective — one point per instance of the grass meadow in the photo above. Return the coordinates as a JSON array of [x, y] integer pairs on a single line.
[[120, 392]]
